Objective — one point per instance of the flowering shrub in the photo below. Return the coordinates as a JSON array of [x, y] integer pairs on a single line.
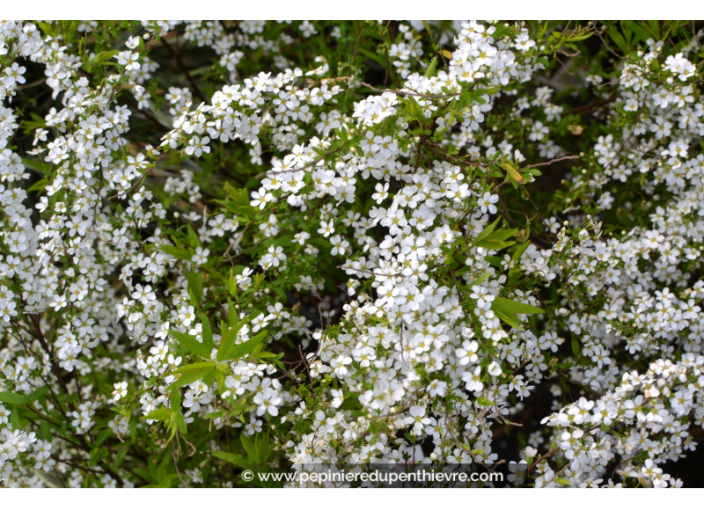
[[267, 246]]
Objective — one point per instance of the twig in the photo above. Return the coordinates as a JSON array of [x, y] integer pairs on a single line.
[[185, 71], [299, 169], [133, 104], [415, 94], [599, 33], [590, 106], [552, 161], [178, 472]]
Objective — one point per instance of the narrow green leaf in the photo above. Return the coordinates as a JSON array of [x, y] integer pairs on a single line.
[[494, 244], [38, 393], [15, 419], [481, 279], [46, 430], [207, 332], [195, 285], [430, 72], [13, 398], [190, 343], [175, 402], [488, 230], [181, 424], [245, 348], [619, 40], [507, 305], [575, 346], [249, 447], [196, 368], [175, 252], [188, 379], [228, 340], [519, 251], [233, 458], [640, 32], [231, 315], [502, 234], [160, 414], [209, 377], [509, 319]]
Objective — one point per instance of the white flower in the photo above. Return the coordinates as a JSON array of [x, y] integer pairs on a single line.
[[120, 390], [494, 369]]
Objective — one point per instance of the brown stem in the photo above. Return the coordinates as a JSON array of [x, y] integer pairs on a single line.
[[185, 71]]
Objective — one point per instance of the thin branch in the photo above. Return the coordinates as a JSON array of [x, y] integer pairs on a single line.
[[185, 71], [415, 94], [565, 158]]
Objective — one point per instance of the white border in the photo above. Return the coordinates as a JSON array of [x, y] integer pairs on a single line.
[[357, 9], [308, 499]]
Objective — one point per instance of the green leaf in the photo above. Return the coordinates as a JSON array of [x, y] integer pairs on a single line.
[[195, 286], [618, 39], [519, 251], [175, 252], [488, 230], [654, 28], [495, 240], [484, 277], [506, 310], [103, 56], [250, 448], [207, 332], [15, 419], [245, 348], [39, 185], [640, 32], [233, 458], [181, 424], [13, 398], [575, 346], [188, 379], [46, 430], [376, 58], [160, 414], [38, 393], [507, 305], [192, 237], [220, 376], [100, 438], [228, 340], [209, 377], [119, 457], [413, 109], [484, 402], [502, 234], [494, 244], [190, 343], [175, 403], [509, 319], [430, 72], [35, 165], [196, 368], [232, 316]]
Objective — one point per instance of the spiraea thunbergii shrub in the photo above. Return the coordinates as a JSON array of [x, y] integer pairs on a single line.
[[267, 246]]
